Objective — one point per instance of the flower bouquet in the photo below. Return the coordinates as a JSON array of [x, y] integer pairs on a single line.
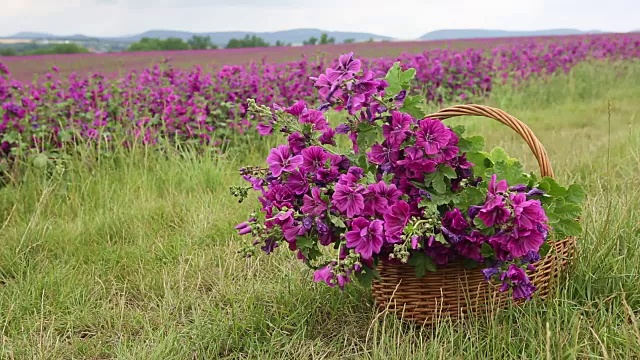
[[409, 192]]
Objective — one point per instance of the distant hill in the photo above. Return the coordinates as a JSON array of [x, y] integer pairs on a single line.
[[485, 33], [25, 35], [295, 36]]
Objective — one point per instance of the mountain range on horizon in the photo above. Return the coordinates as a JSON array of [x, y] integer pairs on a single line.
[[297, 36]]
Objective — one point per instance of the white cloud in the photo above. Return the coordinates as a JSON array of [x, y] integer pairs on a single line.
[[402, 19]]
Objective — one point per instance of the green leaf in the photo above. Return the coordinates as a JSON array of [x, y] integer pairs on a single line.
[[367, 135], [478, 222], [311, 253], [470, 264], [304, 242], [448, 172], [440, 238], [472, 143], [336, 221], [567, 227], [438, 183], [481, 162], [366, 276], [459, 130], [487, 251], [512, 172], [544, 249], [414, 106], [387, 177], [471, 196], [498, 154], [575, 194], [406, 77], [422, 263], [551, 187], [442, 199], [398, 80], [568, 211], [370, 178]]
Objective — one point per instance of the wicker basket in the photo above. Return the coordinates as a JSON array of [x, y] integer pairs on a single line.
[[454, 291]]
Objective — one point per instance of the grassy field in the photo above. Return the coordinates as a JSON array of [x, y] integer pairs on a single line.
[[133, 256]]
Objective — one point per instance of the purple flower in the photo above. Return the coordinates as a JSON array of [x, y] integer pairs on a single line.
[[348, 66], [348, 199], [522, 241], [440, 254], [381, 155], [531, 257], [324, 274], [243, 228], [264, 129], [314, 205], [473, 211], [455, 222], [314, 117], [269, 245], [528, 213], [297, 109], [496, 188], [327, 137], [374, 203], [343, 129], [522, 286], [518, 188], [415, 242], [366, 237], [469, 250], [432, 135], [292, 229], [314, 158], [297, 182], [491, 272], [535, 192], [326, 237], [494, 212], [477, 237], [256, 183], [327, 84], [449, 151], [296, 142], [395, 220], [396, 132]]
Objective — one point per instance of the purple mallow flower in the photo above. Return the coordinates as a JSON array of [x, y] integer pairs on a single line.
[[520, 283], [432, 135], [280, 160], [365, 236], [349, 199], [395, 220], [494, 212]]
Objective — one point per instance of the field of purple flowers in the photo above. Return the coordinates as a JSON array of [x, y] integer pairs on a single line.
[[162, 104]]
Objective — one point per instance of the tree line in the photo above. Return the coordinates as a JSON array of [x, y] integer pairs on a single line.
[[36, 49], [204, 43]]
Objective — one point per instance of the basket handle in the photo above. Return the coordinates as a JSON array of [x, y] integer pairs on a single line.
[[511, 121]]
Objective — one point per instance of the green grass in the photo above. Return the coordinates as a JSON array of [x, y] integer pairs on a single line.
[[133, 256]]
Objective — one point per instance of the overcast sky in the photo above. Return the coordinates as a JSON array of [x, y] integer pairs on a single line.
[[397, 18]]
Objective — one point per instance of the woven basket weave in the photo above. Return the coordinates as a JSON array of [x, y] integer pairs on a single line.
[[453, 291]]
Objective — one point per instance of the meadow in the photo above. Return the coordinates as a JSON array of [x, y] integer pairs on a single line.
[[116, 221]]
